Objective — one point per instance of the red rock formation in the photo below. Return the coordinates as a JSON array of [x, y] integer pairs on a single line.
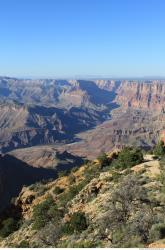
[[142, 95]]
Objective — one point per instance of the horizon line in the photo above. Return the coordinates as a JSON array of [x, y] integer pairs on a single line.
[[86, 77]]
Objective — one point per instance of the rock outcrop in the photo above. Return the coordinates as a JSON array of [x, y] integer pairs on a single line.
[[144, 95]]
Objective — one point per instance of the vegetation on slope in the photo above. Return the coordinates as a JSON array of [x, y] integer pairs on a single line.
[[111, 202]]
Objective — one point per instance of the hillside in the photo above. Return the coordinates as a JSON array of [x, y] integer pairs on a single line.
[[114, 201]]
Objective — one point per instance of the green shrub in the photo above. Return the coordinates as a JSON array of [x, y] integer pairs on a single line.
[[155, 157], [103, 160], [116, 176], [74, 169], [157, 232], [69, 195], [58, 190], [72, 192], [91, 172], [128, 157], [71, 179], [23, 244], [77, 223], [159, 149], [45, 212], [39, 188], [120, 236], [86, 161], [8, 226]]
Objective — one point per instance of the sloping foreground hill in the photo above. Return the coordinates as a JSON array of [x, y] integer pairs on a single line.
[[114, 201]]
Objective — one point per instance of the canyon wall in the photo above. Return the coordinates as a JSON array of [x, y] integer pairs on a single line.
[[143, 95]]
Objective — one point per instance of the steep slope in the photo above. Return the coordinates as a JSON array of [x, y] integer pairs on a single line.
[[123, 207]]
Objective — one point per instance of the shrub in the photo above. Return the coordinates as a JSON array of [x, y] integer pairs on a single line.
[[122, 237], [159, 149], [8, 226], [74, 169], [142, 224], [103, 160], [38, 187], [72, 192], [45, 212], [58, 190], [49, 235], [23, 244], [155, 157], [157, 232], [91, 172], [116, 176], [77, 223], [69, 195], [121, 205], [71, 179], [128, 157], [86, 161]]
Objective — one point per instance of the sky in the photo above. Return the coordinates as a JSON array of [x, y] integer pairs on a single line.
[[71, 38]]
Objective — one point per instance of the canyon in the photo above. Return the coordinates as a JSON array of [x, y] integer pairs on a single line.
[[85, 117]]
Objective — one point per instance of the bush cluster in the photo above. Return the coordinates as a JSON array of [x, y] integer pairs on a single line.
[[77, 223], [45, 212], [8, 226], [159, 149], [128, 157]]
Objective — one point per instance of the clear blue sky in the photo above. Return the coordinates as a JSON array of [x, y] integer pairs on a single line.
[[59, 38]]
